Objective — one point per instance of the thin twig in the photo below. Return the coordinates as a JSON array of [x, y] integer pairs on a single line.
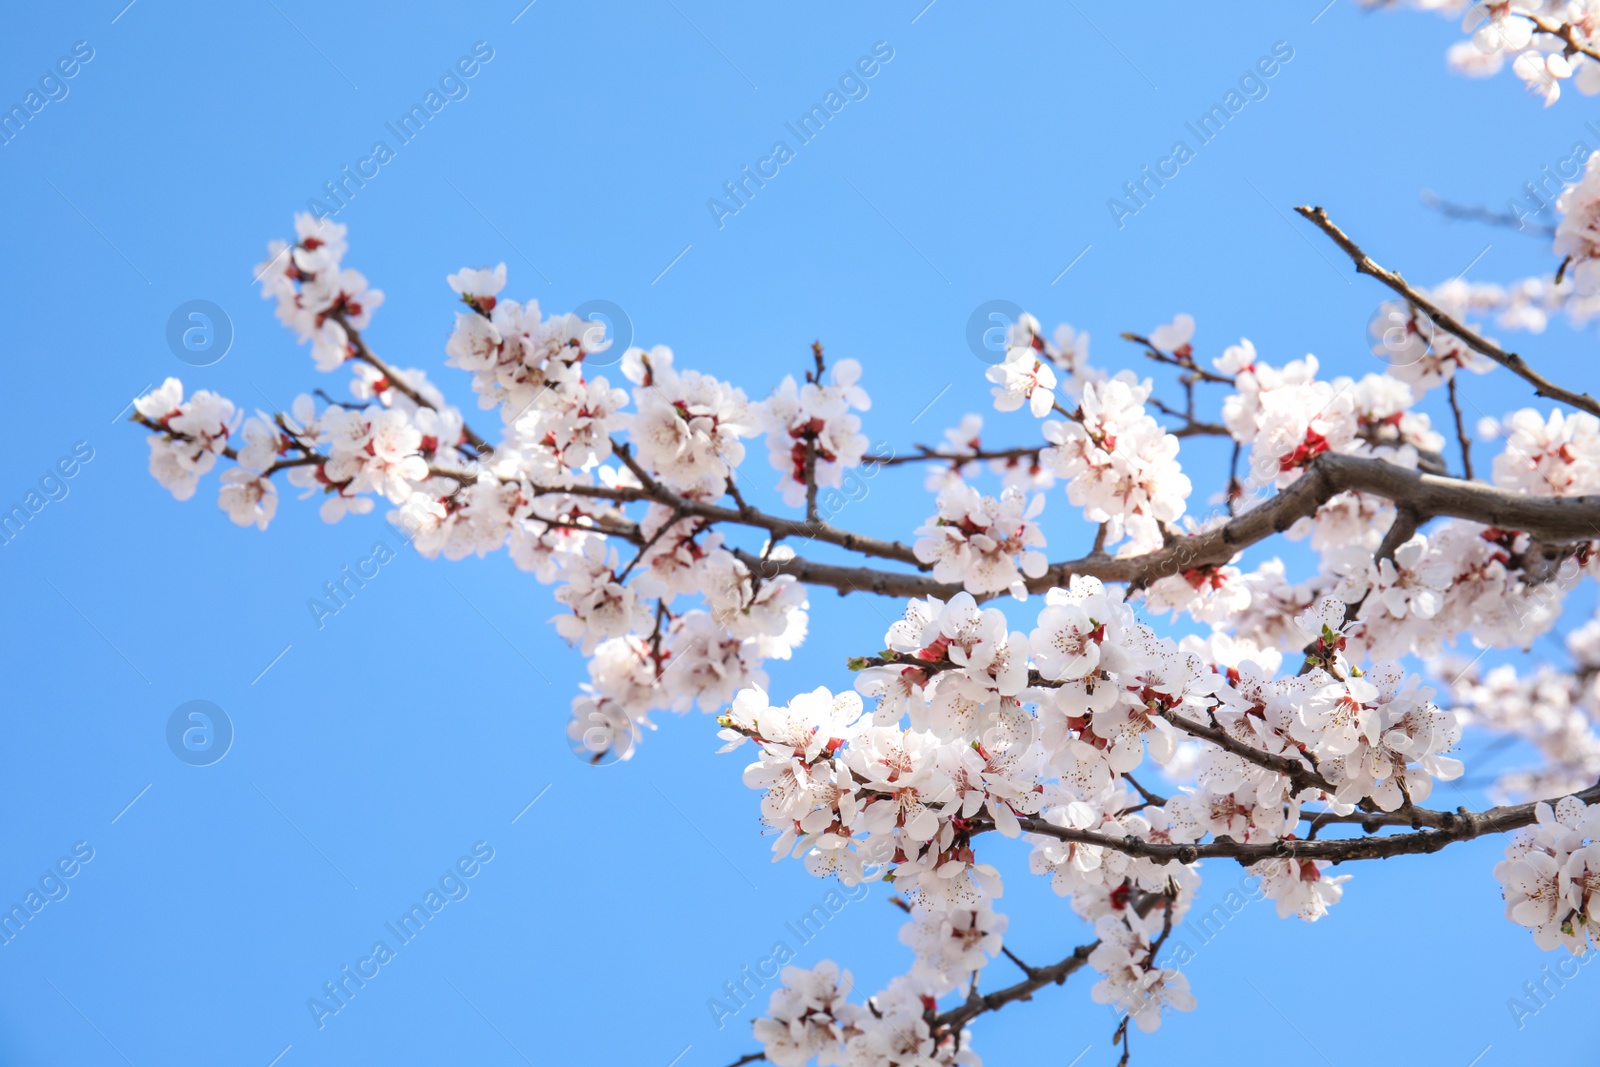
[[1364, 264], [397, 381], [1481, 214], [1461, 432], [925, 454]]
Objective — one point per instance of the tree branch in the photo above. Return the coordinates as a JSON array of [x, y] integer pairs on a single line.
[[1299, 774], [1364, 264], [395, 379], [1428, 496], [1461, 431], [1564, 30], [1451, 827], [1452, 210], [925, 454], [1037, 979]]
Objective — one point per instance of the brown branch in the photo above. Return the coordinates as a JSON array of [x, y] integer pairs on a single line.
[[1461, 431], [1235, 489], [1299, 774], [461, 477], [629, 533], [1188, 365], [1014, 958], [400, 385], [672, 521], [1038, 978], [1564, 30], [1364, 264], [849, 580], [1461, 825], [733, 491], [977, 1004], [811, 479], [925, 454], [307, 457], [1149, 797], [774, 524], [1451, 210], [1373, 821], [1191, 427], [1429, 496], [1401, 530]]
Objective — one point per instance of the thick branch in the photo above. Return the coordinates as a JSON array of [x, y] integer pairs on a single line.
[[1542, 386], [1427, 496], [1452, 827], [849, 579]]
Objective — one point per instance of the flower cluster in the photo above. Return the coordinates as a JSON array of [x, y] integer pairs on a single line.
[[1546, 41], [979, 540], [811, 425], [547, 491], [1120, 466], [1578, 232], [808, 1018], [1551, 876], [1288, 417], [316, 296], [976, 727], [1554, 455], [689, 425]]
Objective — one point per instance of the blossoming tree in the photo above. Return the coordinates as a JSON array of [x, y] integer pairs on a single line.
[[1303, 718]]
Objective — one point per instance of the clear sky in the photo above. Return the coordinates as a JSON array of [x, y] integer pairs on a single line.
[[372, 755]]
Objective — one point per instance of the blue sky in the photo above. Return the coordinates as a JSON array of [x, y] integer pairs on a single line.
[[371, 756]]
